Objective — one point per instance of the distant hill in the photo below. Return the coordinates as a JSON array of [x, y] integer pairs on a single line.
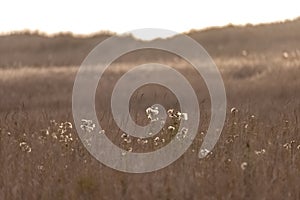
[[34, 49], [274, 37]]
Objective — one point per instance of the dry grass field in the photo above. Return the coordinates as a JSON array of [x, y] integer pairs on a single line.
[[256, 157]]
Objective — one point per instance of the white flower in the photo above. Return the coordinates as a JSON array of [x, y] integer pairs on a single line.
[[25, 147], [183, 116], [287, 146], [244, 165], [262, 151], [68, 125], [145, 141], [156, 139], [152, 113], [150, 133], [87, 125], [139, 140], [234, 110], [171, 113], [127, 140], [182, 133], [204, 152]]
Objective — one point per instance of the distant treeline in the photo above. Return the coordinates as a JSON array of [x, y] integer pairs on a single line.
[[65, 49]]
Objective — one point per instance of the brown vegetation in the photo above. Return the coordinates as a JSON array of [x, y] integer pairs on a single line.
[[257, 156]]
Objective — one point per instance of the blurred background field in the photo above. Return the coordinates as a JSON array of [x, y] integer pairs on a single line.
[[65, 49]]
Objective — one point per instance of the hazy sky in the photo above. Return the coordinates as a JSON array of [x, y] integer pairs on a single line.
[[89, 16]]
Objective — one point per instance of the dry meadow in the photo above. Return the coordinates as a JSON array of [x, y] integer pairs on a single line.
[[256, 157]]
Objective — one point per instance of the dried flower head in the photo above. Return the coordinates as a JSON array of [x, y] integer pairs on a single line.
[[259, 152], [171, 113], [87, 125], [204, 152], [244, 165], [124, 135], [171, 128], [182, 134], [25, 147], [234, 110], [183, 116], [152, 113]]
